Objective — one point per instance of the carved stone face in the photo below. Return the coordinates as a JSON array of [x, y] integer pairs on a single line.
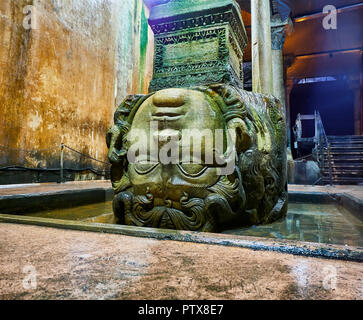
[[169, 151], [173, 111], [175, 115]]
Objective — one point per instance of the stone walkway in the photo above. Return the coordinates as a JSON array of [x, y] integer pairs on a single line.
[[83, 265], [6, 190]]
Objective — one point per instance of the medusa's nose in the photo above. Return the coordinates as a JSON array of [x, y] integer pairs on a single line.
[[170, 98]]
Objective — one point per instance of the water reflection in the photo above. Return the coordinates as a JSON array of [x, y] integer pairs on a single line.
[[81, 213], [323, 223]]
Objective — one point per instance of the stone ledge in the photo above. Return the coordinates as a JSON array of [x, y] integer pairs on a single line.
[[306, 249], [55, 199]]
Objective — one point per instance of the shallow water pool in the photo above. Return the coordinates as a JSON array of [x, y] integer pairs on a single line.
[[322, 223]]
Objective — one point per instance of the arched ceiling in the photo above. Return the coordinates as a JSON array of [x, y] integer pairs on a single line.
[[316, 51], [304, 7]]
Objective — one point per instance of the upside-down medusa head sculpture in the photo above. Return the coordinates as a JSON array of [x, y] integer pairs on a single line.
[[204, 158]]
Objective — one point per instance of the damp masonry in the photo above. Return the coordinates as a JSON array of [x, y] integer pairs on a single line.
[[198, 87]]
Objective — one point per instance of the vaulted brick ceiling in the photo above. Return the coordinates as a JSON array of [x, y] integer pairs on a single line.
[[319, 52]]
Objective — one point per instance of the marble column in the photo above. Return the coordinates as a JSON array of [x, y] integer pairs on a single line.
[[278, 36], [262, 80], [289, 87]]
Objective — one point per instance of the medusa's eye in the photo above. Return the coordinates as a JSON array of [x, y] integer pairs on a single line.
[[145, 167], [192, 169]]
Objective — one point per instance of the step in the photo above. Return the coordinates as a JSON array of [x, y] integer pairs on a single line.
[[345, 137], [350, 159], [342, 171], [326, 168], [342, 175], [354, 141], [340, 142], [344, 180], [335, 169], [341, 163], [344, 142], [344, 147], [335, 174], [344, 166], [346, 153]]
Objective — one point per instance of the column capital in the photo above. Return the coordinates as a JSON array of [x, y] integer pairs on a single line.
[[279, 30]]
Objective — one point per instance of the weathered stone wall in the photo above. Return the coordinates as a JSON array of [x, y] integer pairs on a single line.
[[61, 80]]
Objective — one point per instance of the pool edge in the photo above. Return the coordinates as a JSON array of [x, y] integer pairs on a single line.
[[297, 248]]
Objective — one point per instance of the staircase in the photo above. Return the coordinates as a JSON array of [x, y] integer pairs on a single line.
[[343, 160]]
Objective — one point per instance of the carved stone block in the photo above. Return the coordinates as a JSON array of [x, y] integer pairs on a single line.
[[197, 42]]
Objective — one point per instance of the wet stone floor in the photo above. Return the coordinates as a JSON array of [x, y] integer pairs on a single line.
[[87, 265]]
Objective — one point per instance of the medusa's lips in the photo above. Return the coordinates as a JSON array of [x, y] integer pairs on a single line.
[[168, 114]]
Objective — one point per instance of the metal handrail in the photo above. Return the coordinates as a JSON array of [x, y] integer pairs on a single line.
[[322, 144], [320, 134], [330, 168], [321, 140], [63, 147]]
